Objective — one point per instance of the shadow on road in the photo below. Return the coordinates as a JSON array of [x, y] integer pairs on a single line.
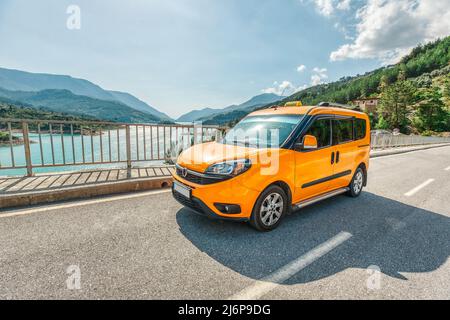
[[389, 234]]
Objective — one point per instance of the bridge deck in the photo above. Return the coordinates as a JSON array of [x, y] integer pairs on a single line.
[[52, 181]]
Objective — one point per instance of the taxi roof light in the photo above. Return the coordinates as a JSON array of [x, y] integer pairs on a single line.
[[294, 104]]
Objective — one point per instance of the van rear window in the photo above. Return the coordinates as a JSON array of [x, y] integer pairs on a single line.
[[360, 129], [342, 131]]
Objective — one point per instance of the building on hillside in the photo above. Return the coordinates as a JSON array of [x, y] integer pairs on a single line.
[[368, 105]]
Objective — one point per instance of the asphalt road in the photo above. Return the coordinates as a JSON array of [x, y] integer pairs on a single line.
[[391, 243]]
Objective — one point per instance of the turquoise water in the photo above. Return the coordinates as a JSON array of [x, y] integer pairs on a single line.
[[73, 152]]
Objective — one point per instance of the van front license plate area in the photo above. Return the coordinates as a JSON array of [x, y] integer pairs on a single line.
[[184, 191]]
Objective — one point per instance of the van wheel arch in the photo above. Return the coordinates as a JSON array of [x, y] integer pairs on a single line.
[[283, 185]]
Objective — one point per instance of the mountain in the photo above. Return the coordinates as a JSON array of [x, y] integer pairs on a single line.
[[137, 104], [16, 80], [256, 101], [431, 58], [226, 118], [209, 113], [423, 59], [197, 114], [64, 101]]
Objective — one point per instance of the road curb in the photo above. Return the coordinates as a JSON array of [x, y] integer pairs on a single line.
[[83, 192], [390, 152]]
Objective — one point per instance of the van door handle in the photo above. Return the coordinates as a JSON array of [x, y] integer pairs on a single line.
[[332, 158], [338, 154]]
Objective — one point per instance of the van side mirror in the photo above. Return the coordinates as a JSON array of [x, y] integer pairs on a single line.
[[308, 143]]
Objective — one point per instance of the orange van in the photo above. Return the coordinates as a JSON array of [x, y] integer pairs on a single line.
[[275, 161]]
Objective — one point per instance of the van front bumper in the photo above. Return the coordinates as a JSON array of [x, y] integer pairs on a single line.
[[199, 207], [205, 199]]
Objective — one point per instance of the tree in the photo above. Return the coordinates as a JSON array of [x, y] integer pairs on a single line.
[[431, 114], [403, 73], [373, 120], [384, 83], [447, 91], [395, 104], [382, 124]]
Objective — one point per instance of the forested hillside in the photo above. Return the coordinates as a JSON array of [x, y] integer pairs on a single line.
[[415, 93], [64, 101], [423, 59], [10, 110], [16, 80]]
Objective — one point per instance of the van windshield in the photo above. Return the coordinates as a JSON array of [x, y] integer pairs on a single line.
[[262, 131]]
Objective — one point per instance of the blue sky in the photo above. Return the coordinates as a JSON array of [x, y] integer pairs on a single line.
[[179, 55]]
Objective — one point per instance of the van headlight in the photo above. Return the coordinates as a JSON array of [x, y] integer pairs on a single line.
[[230, 168]]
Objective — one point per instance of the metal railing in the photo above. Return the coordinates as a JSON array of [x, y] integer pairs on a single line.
[[385, 140], [29, 144]]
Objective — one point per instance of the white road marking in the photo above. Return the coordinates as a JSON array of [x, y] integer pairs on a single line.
[[418, 188], [447, 169], [82, 203], [267, 284]]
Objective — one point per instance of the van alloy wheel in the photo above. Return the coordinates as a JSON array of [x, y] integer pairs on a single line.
[[272, 209], [269, 209], [359, 181], [357, 184]]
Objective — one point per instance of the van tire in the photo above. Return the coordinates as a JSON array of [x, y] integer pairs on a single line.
[[357, 184], [256, 220]]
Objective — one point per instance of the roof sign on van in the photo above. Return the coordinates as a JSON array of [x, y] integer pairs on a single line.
[[294, 104]]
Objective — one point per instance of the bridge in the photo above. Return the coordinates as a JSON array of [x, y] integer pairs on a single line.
[[121, 234], [392, 242], [44, 161]]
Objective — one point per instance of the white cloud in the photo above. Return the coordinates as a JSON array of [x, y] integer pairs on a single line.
[[303, 87], [388, 29], [344, 5], [301, 68], [284, 88], [324, 7], [343, 29], [321, 71], [315, 80], [328, 7], [319, 74]]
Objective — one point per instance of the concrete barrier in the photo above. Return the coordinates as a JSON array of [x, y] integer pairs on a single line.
[[83, 192]]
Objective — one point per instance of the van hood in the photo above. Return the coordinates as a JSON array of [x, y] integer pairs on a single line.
[[199, 157]]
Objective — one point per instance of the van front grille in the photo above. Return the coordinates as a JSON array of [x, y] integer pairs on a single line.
[[199, 178]]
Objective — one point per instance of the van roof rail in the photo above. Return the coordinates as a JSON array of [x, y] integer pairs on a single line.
[[339, 105]]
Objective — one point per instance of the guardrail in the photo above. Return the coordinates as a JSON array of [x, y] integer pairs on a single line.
[[383, 141], [29, 144]]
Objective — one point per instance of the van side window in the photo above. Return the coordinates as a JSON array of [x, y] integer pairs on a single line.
[[321, 129], [360, 129], [342, 131]]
